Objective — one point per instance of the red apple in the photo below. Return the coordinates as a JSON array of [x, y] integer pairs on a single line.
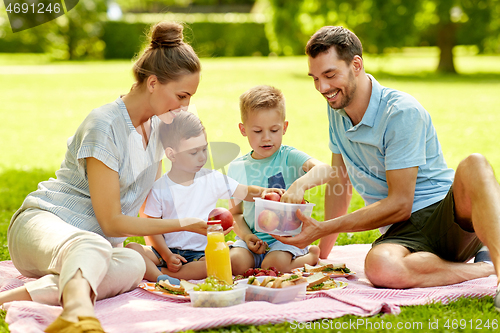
[[292, 222], [273, 196], [223, 215], [268, 220]]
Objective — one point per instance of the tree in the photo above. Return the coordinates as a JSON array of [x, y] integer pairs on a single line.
[[381, 24]]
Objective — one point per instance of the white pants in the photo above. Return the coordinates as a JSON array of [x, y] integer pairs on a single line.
[[43, 246]]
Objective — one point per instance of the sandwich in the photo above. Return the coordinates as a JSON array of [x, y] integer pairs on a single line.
[[327, 268], [278, 282], [166, 286], [316, 279]]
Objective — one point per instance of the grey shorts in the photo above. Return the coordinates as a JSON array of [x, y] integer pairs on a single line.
[[434, 229], [275, 246]]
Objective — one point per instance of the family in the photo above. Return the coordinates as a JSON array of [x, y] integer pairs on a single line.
[[70, 232]]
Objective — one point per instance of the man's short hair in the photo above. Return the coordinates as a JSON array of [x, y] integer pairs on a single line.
[[346, 43], [261, 98], [185, 125]]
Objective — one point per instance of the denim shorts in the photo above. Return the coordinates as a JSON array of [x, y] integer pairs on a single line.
[[275, 246], [434, 229], [189, 255]]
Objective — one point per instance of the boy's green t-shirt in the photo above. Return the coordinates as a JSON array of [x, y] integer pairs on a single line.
[[286, 164]]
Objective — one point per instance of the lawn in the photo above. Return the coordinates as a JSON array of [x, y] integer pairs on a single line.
[[42, 104]]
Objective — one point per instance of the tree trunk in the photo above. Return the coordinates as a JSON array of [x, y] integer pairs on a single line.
[[446, 42]]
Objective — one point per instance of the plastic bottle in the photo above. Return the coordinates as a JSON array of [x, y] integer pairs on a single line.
[[217, 253]]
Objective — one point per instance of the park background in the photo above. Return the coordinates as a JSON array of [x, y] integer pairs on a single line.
[[444, 53]]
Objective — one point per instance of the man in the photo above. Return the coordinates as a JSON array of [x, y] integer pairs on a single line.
[[384, 145]]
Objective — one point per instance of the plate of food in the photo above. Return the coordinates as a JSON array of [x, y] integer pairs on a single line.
[[321, 281], [166, 289], [332, 270]]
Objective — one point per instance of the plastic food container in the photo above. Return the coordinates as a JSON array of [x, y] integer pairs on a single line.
[[218, 299], [273, 295], [279, 218]]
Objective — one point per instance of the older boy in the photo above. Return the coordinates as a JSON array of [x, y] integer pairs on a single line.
[[186, 190], [270, 164]]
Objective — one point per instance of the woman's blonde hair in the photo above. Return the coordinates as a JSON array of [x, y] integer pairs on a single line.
[[167, 56]]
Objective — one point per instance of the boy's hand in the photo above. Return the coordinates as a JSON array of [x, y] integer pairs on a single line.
[[255, 244], [280, 191], [228, 230], [174, 262], [294, 195]]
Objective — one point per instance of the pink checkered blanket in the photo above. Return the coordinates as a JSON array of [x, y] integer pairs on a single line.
[[142, 311]]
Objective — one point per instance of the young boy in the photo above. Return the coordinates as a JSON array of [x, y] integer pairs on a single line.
[[187, 190], [270, 164]]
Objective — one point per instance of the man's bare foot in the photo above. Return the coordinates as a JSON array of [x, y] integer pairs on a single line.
[[487, 267]]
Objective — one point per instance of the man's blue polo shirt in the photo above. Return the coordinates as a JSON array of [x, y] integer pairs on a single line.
[[396, 132]]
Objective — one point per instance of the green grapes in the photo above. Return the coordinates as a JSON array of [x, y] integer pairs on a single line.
[[213, 284]]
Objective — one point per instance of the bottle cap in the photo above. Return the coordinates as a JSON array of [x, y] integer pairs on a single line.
[[213, 222]]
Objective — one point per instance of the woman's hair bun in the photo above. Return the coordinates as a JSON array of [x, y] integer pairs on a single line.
[[166, 34]]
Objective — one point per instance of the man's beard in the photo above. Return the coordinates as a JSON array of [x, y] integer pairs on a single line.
[[350, 90]]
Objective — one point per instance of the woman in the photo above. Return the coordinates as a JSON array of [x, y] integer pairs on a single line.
[[70, 231]]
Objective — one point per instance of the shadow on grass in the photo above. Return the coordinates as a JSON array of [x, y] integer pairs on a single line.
[[15, 185]]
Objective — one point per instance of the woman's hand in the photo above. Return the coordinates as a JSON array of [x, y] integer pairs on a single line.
[[255, 244], [193, 224], [174, 262]]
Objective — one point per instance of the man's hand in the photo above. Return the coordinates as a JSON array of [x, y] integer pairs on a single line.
[[311, 230], [174, 262], [255, 244]]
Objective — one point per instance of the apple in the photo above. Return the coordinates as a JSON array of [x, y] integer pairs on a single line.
[[223, 215], [273, 196], [268, 220], [292, 222]]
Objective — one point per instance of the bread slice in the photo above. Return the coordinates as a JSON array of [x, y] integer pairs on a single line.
[[316, 279], [315, 269], [291, 277], [165, 285], [324, 267], [266, 280], [187, 285], [277, 283]]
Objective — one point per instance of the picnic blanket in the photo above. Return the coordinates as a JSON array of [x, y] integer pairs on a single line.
[[143, 311]]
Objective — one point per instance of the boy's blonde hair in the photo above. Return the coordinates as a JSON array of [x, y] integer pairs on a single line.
[[261, 98], [185, 125]]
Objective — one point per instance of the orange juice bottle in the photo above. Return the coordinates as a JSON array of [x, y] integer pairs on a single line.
[[217, 253]]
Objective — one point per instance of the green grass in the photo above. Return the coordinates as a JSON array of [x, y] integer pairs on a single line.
[[43, 103]]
